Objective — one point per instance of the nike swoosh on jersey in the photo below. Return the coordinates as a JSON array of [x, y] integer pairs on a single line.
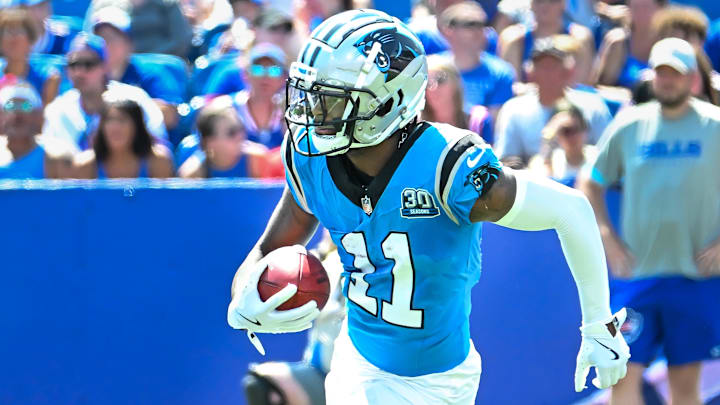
[[474, 161], [617, 356], [255, 322]]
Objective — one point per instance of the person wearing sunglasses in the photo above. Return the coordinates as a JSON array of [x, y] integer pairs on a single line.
[[564, 150], [486, 79], [74, 115], [113, 25], [261, 106], [24, 154]]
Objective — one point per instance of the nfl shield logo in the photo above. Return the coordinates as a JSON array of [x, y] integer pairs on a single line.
[[366, 205]]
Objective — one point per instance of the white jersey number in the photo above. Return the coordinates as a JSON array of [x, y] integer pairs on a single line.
[[395, 247]]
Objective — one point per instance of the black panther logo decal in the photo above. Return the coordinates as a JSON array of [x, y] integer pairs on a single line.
[[395, 46]]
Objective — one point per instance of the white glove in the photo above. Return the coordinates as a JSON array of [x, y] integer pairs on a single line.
[[247, 311], [606, 352]]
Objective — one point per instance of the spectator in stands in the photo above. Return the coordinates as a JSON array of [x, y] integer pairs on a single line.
[[667, 261], [123, 147], [159, 26], [487, 79], [444, 100], [688, 23], [426, 27], [17, 34], [262, 106], [564, 150], [624, 52], [249, 10], [23, 153], [277, 27], [516, 41], [702, 89], [53, 37], [227, 152], [310, 13], [518, 131], [113, 25], [74, 115]]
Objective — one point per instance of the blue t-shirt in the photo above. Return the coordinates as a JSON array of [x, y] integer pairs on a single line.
[[631, 72], [37, 73], [152, 78], [225, 80], [409, 250], [488, 84], [240, 169], [30, 166]]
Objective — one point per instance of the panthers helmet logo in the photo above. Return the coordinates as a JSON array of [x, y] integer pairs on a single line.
[[394, 46]]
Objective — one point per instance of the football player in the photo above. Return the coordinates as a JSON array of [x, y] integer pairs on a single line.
[[404, 201]]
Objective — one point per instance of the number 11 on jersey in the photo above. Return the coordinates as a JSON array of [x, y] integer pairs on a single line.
[[396, 247]]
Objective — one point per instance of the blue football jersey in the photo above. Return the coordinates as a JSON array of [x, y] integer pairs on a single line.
[[409, 250]]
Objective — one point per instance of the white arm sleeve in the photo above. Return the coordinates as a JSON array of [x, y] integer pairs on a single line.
[[540, 204]]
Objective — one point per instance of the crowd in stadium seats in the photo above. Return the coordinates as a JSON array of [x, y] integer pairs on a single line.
[[538, 79]]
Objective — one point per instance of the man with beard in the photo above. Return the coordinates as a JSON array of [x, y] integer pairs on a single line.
[[667, 263]]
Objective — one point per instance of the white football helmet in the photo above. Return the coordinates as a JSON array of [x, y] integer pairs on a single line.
[[359, 78]]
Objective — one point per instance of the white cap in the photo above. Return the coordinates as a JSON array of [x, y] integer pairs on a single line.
[[23, 91], [674, 52]]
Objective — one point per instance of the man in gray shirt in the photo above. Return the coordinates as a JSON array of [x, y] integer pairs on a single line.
[[667, 155], [518, 132]]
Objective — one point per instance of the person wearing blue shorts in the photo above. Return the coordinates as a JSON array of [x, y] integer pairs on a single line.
[[667, 264]]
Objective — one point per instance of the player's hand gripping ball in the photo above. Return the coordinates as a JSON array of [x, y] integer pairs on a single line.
[[289, 265]]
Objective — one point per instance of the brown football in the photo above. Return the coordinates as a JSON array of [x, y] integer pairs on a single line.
[[287, 265]]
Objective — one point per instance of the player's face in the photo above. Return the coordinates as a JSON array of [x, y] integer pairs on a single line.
[[330, 109], [671, 87], [119, 130]]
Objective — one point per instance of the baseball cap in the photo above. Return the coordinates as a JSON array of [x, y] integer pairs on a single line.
[[547, 47], [90, 42], [273, 17], [267, 50], [22, 91], [673, 52], [114, 17]]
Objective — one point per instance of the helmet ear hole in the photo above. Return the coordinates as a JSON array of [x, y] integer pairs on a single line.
[[385, 108]]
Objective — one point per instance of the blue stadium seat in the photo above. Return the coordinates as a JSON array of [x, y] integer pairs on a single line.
[[174, 65], [72, 8], [204, 68]]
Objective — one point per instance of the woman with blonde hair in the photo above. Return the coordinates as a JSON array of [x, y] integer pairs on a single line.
[[444, 101]]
